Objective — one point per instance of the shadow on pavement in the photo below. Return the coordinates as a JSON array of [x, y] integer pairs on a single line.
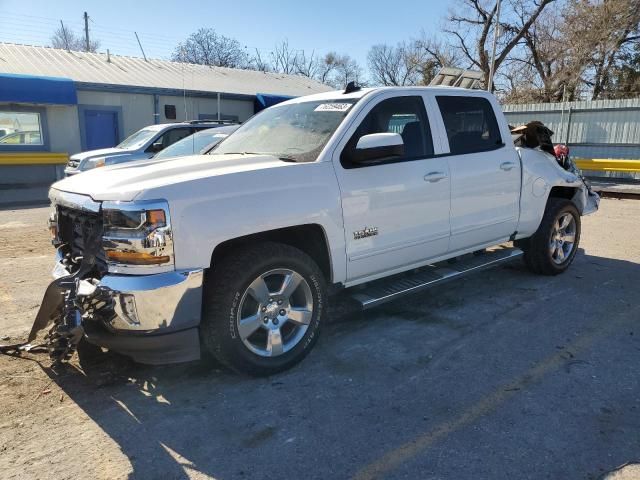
[[378, 382]]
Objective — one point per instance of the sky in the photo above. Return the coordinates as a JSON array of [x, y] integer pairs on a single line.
[[323, 25]]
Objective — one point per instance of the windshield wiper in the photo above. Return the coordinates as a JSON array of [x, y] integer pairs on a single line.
[[213, 152], [284, 158]]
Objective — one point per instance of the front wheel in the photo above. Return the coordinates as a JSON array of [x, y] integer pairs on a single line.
[[263, 307], [553, 247]]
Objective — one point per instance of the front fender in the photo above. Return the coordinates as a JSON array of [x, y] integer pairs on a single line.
[[209, 211]]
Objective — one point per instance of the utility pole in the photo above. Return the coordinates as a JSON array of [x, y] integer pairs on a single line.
[[496, 32], [64, 35], [87, 46]]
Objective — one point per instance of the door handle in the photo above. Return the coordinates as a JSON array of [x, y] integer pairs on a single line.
[[506, 166], [433, 177]]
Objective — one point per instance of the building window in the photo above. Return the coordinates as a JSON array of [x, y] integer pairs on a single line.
[[20, 128], [170, 112]]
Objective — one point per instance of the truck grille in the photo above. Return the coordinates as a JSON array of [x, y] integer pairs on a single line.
[[74, 227]]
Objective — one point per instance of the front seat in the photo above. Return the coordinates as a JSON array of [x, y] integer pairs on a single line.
[[412, 138]]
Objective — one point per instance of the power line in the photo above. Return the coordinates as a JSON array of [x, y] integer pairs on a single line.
[[106, 31]]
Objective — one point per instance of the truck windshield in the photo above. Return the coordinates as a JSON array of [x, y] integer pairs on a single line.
[[138, 139], [293, 132]]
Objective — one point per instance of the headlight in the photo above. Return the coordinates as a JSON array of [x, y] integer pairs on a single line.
[[137, 234], [94, 163], [52, 223]]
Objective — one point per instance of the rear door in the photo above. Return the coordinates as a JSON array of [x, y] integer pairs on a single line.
[[396, 212], [485, 172]]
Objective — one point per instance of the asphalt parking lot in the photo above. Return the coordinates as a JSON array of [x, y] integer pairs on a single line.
[[502, 375]]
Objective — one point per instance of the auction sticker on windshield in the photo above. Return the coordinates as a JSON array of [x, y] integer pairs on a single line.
[[333, 107]]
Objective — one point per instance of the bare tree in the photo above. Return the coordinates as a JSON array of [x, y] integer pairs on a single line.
[[332, 69], [346, 69], [399, 65], [327, 67], [66, 39], [577, 50], [442, 53], [413, 62], [471, 26], [609, 29], [207, 47], [435, 54], [258, 62], [549, 63], [306, 65], [625, 77], [283, 58]]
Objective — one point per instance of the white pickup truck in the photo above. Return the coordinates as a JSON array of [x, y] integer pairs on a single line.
[[232, 253]]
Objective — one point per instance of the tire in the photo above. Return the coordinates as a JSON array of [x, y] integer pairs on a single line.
[[232, 291], [541, 251]]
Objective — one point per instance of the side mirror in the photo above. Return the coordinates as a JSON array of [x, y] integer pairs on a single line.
[[377, 146], [156, 147]]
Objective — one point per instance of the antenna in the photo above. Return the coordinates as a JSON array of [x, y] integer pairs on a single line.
[[64, 35], [184, 89], [141, 49], [87, 45], [351, 87]]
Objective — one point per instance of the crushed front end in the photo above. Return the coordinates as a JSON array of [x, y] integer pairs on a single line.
[[115, 282]]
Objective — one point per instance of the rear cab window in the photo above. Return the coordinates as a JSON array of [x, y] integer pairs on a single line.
[[470, 123]]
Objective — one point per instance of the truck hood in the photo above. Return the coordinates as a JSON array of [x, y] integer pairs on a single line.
[[103, 152], [127, 181]]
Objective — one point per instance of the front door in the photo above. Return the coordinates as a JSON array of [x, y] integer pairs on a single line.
[[485, 173], [396, 212], [101, 127]]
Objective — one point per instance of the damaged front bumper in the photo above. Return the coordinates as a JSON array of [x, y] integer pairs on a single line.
[[152, 318]]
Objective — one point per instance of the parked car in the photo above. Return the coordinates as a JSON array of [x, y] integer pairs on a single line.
[[200, 142], [145, 143], [22, 138], [235, 253]]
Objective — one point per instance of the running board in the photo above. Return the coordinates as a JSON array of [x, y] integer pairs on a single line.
[[386, 289]]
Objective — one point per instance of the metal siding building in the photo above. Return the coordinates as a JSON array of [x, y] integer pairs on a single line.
[[67, 98], [592, 129]]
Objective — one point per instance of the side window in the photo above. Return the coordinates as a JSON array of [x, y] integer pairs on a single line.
[[470, 123], [403, 115], [173, 135]]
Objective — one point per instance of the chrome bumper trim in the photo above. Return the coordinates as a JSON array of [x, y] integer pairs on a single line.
[[159, 303]]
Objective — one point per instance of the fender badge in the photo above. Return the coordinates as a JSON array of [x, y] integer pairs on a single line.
[[365, 232]]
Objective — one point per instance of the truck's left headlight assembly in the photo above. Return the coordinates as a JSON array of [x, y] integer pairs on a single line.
[[137, 236]]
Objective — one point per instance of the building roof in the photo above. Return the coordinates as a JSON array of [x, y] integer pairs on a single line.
[[97, 68]]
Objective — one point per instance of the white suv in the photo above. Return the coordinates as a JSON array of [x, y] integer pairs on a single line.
[[143, 144]]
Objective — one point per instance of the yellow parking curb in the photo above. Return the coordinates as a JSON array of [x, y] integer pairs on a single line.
[[34, 158], [608, 164]]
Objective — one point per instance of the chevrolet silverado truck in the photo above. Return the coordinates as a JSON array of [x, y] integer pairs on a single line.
[[232, 254]]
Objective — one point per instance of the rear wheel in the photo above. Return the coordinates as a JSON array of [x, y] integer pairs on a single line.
[[553, 247], [263, 307]]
